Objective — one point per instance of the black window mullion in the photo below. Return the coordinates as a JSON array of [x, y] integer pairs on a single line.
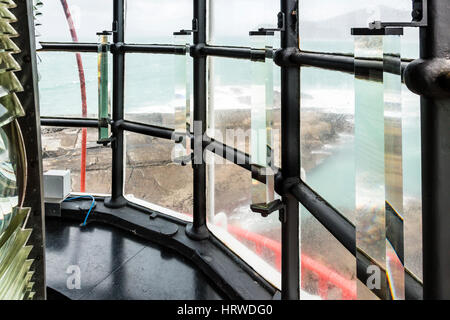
[[198, 230], [117, 199], [290, 154]]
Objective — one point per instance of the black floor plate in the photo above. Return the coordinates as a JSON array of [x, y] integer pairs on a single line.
[[112, 264]]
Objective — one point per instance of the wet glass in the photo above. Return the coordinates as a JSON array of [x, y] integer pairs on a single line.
[[393, 166], [412, 181], [328, 30], [59, 84], [149, 88], [231, 20], [369, 152], [88, 16], [61, 150], [327, 150], [152, 179], [166, 17], [255, 239]]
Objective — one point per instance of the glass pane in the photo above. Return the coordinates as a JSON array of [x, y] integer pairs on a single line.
[[151, 175], [59, 84], [231, 20], [327, 150], [166, 18], [255, 239], [369, 153], [393, 166], [230, 100], [149, 88], [327, 136], [329, 30], [412, 181], [328, 269], [88, 16], [61, 150]]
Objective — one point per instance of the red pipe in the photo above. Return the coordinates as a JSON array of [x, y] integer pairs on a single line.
[[73, 33], [325, 275]]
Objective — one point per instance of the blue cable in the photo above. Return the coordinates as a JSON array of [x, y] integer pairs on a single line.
[[90, 209]]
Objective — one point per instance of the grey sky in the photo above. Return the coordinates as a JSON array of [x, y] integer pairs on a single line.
[[147, 18]]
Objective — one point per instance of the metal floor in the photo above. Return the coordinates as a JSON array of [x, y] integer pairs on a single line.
[[114, 265]]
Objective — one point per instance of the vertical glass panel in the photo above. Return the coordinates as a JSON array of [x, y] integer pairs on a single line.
[[104, 104], [393, 166], [328, 30], [149, 88], [59, 84], [369, 152], [166, 17], [182, 92], [412, 181], [262, 124], [152, 179], [327, 150], [230, 100], [327, 136], [61, 150], [255, 239], [88, 16], [231, 20], [327, 267]]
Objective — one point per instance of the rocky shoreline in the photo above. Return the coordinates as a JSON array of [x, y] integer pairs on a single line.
[[149, 162], [152, 176]]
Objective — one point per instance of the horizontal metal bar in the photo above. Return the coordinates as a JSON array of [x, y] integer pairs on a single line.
[[329, 61], [153, 48], [234, 52], [130, 48], [69, 123], [338, 62], [226, 52], [146, 129], [69, 46]]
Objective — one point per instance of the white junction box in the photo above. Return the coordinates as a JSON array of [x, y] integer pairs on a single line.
[[57, 184]]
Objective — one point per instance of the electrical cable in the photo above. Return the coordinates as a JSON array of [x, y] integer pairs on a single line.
[[90, 209]]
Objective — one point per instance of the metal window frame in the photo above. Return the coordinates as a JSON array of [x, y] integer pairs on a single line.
[[290, 59]]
